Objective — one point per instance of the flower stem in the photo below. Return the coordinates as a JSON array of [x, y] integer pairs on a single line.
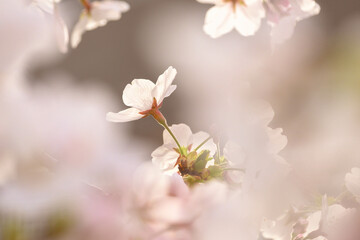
[[86, 5], [201, 144], [173, 136]]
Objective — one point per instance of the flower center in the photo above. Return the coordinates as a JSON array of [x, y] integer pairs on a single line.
[[154, 111]]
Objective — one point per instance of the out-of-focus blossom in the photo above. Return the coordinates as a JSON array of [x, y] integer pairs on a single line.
[[144, 97], [334, 222], [49, 7], [246, 15], [282, 16], [23, 31], [352, 182], [97, 14], [243, 15], [166, 156], [281, 229]]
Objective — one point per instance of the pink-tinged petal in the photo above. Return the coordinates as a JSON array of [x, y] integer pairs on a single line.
[[79, 30], [248, 17], [61, 31], [138, 94], [163, 86], [126, 115], [181, 131], [198, 138], [219, 20]]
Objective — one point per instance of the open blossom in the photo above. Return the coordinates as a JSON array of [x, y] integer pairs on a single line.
[[97, 14], [144, 97], [166, 156], [246, 15], [243, 15]]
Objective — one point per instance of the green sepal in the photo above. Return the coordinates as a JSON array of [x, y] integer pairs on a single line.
[[215, 171], [191, 180], [201, 161]]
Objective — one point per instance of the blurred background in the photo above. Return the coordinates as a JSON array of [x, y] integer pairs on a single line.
[[312, 81]]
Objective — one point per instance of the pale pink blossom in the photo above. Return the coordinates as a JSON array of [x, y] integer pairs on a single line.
[[143, 96], [243, 15]]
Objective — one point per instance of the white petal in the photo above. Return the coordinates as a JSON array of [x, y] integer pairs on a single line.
[[116, 6], [198, 138], [163, 86], [138, 94], [105, 11], [248, 18], [277, 141], [79, 30], [182, 133], [61, 31], [164, 157], [309, 6], [219, 20], [126, 115], [313, 223]]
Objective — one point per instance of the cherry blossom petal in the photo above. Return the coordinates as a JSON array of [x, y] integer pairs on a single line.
[[352, 182], [163, 86], [108, 10], [309, 6], [219, 20], [79, 29], [165, 157], [248, 17], [61, 31], [198, 138], [277, 141], [138, 94], [126, 115], [181, 131]]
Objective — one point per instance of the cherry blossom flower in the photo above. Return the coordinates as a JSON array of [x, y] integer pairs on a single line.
[[145, 98], [97, 14], [243, 15], [166, 155]]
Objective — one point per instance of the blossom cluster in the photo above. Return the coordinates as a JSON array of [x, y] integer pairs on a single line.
[[66, 174], [246, 15]]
